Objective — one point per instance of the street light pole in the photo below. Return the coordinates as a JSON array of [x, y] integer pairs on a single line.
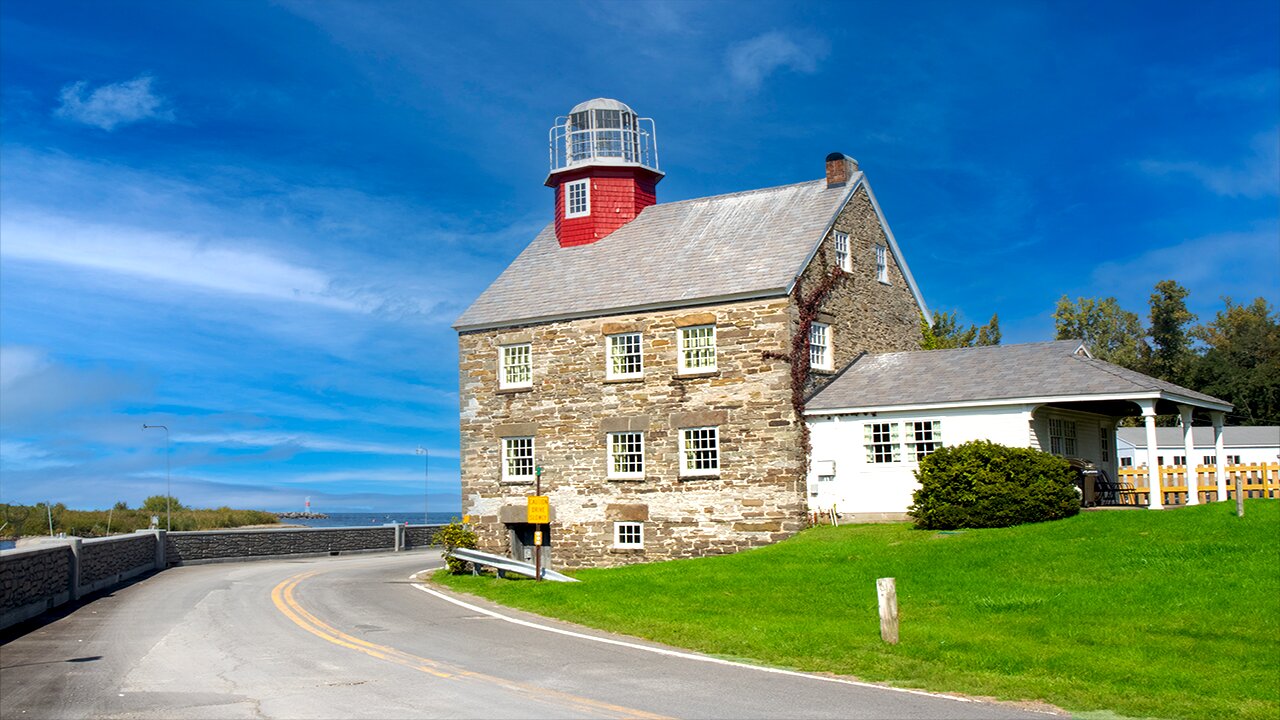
[[426, 483], [168, 488]]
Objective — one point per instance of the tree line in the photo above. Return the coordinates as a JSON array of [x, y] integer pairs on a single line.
[[1234, 356]]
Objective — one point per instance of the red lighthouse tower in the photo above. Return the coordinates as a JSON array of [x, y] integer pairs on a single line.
[[604, 168]]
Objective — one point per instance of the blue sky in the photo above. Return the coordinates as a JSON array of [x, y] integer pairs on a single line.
[[255, 222]]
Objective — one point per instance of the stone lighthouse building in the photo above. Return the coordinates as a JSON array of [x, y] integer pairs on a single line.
[[654, 358]]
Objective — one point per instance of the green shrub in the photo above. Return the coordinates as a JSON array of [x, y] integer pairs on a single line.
[[984, 485], [455, 535]]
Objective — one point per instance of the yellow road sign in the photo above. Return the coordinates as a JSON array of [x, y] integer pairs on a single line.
[[539, 509]]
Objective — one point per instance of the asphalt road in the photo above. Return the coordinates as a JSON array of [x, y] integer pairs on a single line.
[[352, 637]]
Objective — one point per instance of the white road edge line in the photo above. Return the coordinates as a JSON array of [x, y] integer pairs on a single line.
[[688, 656]]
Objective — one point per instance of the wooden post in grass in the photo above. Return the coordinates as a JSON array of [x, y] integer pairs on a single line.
[[887, 591]]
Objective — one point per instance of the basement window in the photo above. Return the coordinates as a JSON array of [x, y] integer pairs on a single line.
[[577, 199], [628, 535]]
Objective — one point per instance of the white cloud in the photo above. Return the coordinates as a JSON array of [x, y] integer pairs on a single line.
[[111, 106], [170, 258], [1256, 175], [306, 441], [750, 62], [17, 362]]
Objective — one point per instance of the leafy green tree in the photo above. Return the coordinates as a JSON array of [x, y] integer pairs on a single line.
[[1170, 355], [946, 332], [1241, 362], [122, 505], [1111, 332], [156, 503]]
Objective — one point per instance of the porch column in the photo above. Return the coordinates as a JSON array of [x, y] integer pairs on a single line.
[[1219, 456], [1189, 447], [1155, 494]]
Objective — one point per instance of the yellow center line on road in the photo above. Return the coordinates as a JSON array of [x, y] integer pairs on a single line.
[[283, 598]]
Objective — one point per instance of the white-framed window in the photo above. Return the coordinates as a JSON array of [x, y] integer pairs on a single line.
[[577, 198], [1104, 443], [626, 454], [1062, 437], [1234, 460], [628, 534], [698, 349], [841, 243], [881, 440], [624, 358], [517, 458], [700, 451], [820, 346], [1210, 460], [923, 437], [882, 264], [515, 366], [1126, 462], [1179, 460]]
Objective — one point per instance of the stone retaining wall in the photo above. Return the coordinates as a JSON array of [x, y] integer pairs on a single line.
[[188, 547], [33, 581], [115, 558]]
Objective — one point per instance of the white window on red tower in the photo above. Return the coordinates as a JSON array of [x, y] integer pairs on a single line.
[[577, 199]]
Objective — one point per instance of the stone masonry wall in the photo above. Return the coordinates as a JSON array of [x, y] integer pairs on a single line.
[[107, 557], [865, 314], [33, 576], [184, 547], [757, 497]]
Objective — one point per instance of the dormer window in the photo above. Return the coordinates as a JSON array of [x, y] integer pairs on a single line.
[[841, 242], [577, 198]]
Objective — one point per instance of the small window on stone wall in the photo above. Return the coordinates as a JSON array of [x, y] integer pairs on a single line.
[[628, 535]]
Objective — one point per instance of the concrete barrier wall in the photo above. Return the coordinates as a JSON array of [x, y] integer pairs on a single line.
[[111, 560], [33, 581], [185, 548]]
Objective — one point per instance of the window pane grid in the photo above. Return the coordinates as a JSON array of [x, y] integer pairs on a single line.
[[819, 346], [517, 365], [517, 457], [628, 534], [698, 348], [626, 453], [882, 442], [882, 264], [841, 242], [925, 436], [624, 355], [577, 202], [701, 450]]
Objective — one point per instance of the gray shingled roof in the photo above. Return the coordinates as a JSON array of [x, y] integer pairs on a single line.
[[747, 244], [1202, 435], [998, 372]]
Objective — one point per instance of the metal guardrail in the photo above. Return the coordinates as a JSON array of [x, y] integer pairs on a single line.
[[505, 564]]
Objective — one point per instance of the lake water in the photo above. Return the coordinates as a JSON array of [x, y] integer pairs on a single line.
[[372, 518]]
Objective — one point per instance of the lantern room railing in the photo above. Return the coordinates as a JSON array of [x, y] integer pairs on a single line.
[[603, 136]]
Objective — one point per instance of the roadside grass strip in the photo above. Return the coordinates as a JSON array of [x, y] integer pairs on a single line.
[[1169, 614], [282, 596]]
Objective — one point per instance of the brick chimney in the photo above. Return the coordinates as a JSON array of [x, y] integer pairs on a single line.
[[840, 168]]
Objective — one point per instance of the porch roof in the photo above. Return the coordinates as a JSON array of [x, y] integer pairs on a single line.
[[1059, 372]]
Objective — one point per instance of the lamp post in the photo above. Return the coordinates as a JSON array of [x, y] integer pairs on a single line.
[[426, 482], [168, 492]]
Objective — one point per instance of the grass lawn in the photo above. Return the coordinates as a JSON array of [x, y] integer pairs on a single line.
[[1172, 614]]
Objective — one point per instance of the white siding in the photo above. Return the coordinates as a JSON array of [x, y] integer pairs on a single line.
[[861, 487]]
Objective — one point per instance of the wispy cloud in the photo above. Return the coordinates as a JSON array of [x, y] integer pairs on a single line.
[[114, 105], [1257, 174], [306, 441], [171, 258], [751, 61]]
